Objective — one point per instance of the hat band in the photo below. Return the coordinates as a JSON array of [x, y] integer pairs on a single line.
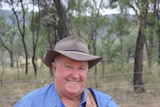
[[76, 51]]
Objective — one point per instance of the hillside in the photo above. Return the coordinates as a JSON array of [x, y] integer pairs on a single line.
[[8, 15]]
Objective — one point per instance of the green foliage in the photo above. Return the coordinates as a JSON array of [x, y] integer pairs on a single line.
[[35, 24], [116, 35]]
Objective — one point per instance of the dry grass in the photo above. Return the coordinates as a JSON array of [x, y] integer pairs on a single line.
[[116, 81]]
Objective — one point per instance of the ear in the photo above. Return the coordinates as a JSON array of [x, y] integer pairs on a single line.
[[53, 67]]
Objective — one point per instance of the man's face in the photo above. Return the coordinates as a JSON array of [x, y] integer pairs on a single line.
[[70, 75]]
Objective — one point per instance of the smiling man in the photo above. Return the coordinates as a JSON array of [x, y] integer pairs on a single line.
[[70, 78], [70, 62]]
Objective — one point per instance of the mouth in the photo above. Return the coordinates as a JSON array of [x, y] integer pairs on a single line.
[[73, 82]]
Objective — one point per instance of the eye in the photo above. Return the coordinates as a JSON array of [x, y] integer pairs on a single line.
[[68, 66], [82, 68]]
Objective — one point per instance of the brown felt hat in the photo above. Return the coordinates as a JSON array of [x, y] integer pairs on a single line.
[[72, 47]]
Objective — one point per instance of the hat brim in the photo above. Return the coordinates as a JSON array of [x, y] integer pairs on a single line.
[[79, 56]]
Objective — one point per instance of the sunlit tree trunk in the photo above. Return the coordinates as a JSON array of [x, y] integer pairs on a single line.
[[138, 65]]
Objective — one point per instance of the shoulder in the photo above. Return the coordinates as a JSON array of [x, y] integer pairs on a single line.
[[34, 97], [103, 99], [39, 92]]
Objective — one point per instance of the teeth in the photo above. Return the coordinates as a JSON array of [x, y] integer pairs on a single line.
[[74, 82]]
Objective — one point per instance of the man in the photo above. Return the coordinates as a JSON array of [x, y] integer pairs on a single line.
[[70, 62]]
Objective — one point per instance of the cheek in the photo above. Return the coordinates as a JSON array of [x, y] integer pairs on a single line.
[[60, 73], [84, 76]]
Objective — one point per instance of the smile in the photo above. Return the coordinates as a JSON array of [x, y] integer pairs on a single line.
[[73, 82]]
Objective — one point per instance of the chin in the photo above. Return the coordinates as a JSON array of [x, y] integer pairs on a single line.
[[74, 91]]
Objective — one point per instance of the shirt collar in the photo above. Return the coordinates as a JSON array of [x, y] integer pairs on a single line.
[[57, 101]]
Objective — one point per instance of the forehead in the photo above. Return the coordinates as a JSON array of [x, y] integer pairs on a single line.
[[62, 58]]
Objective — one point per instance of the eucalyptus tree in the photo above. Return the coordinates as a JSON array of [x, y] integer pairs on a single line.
[[7, 40], [62, 19], [120, 28], [35, 29], [140, 7], [7, 37], [49, 24], [19, 7], [97, 21], [156, 4], [151, 39], [54, 20], [153, 25]]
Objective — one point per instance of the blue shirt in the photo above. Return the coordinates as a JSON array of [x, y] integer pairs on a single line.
[[48, 97]]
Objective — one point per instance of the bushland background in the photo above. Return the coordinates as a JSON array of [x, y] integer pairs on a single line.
[[129, 42], [115, 82]]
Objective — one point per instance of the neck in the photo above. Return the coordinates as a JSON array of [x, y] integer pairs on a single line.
[[71, 102]]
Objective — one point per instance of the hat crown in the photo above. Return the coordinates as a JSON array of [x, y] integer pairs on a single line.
[[72, 47], [72, 43]]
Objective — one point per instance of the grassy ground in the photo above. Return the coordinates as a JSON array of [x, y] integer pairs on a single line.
[[116, 81]]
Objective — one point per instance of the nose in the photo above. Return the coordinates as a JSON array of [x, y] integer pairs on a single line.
[[75, 74]]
